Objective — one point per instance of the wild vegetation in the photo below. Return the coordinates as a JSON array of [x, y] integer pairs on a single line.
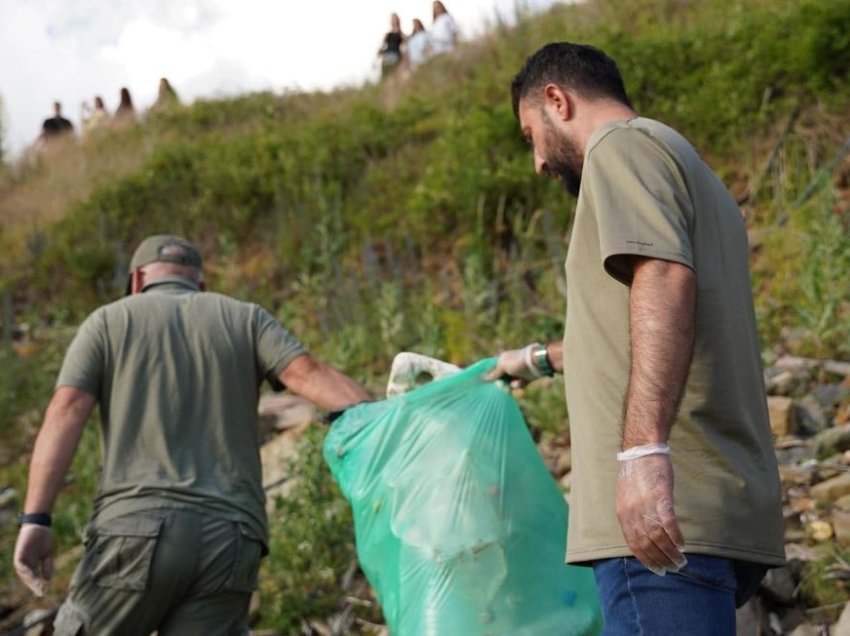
[[407, 216]]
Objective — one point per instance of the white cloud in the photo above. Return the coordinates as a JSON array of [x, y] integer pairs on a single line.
[[72, 51]]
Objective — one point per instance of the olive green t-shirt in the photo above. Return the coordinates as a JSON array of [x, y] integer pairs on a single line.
[[177, 374], [646, 192]]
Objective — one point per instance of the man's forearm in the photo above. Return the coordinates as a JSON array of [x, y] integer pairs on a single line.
[[662, 305], [55, 446], [322, 384]]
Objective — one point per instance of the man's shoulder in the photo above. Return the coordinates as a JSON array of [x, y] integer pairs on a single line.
[[640, 135], [225, 300], [223, 303]]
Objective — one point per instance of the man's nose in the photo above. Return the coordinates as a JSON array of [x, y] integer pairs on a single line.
[[539, 164]]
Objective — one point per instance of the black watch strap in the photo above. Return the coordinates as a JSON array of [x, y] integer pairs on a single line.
[[37, 518]]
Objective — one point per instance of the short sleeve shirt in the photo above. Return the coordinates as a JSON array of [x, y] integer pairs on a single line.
[[177, 373], [645, 192]]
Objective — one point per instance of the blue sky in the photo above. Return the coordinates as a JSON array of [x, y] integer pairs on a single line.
[[72, 50]]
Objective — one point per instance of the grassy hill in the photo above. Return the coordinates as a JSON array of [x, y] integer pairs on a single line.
[[407, 215]]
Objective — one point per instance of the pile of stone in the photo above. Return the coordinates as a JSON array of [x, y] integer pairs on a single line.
[[809, 403]]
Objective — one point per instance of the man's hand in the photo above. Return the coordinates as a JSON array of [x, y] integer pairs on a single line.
[[518, 366], [34, 557], [645, 511], [513, 364]]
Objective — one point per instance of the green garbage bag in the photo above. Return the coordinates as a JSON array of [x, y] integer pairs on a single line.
[[460, 529]]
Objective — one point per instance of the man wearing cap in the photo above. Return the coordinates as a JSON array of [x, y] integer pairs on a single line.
[[178, 527]]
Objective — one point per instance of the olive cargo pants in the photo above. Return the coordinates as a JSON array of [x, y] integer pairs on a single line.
[[169, 571]]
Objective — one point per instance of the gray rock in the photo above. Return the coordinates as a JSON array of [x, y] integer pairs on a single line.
[[791, 620], [782, 415], [840, 520], [807, 630], [39, 622], [793, 454], [835, 439], [780, 382], [779, 585], [281, 412], [796, 474], [832, 489], [842, 627], [810, 415], [748, 618], [830, 395]]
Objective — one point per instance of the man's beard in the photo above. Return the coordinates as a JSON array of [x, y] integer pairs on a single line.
[[564, 162]]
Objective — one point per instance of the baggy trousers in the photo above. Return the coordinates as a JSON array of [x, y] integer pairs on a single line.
[[169, 571]]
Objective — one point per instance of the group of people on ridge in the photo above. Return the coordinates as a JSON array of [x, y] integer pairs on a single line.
[[409, 51], [93, 117]]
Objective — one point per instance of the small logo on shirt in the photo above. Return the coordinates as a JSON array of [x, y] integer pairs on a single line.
[[641, 243]]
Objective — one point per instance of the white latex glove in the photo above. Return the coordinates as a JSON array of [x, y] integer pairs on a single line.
[[517, 365], [34, 557], [645, 511]]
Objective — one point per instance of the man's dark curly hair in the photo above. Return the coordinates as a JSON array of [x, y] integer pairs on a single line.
[[578, 67]]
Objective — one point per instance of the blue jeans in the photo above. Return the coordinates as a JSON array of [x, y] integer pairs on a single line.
[[699, 600]]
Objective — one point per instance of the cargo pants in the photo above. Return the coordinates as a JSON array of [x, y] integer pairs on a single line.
[[165, 571]]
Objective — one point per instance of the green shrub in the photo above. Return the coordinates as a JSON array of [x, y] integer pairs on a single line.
[[311, 545]]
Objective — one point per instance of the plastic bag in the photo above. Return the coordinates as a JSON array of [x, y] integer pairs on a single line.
[[460, 529]]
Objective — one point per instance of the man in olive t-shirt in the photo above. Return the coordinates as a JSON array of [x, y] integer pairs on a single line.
[[179, 526], [660, 357]]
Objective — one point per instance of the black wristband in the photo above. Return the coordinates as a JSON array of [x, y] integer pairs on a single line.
[[331, 416], [37, 518]]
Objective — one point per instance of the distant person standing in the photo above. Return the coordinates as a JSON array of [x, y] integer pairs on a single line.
[[92, 118], [443, 30], [166, 97], [125, 114], [56, 126], [390, 50], [418, 45]]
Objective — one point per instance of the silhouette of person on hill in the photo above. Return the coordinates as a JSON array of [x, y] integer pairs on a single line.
[[125, 114], [443, 30], [56, 126], [418, 45], [167, 96], [390, 50], [93, 117]]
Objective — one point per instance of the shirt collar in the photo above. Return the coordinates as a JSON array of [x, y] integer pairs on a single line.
[[170, 283]]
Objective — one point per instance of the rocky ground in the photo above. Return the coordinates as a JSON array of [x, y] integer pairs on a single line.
[[809, 402]]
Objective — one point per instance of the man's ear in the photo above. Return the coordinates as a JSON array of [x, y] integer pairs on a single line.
[[137, 280], [558, 101]]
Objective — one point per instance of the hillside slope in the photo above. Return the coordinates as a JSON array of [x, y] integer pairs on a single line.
[[407, 215]]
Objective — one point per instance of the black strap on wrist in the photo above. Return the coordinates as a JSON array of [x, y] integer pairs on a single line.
[[36, 518], [331, 416]]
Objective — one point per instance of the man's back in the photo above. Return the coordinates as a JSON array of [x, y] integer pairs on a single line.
[[177, 374]]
